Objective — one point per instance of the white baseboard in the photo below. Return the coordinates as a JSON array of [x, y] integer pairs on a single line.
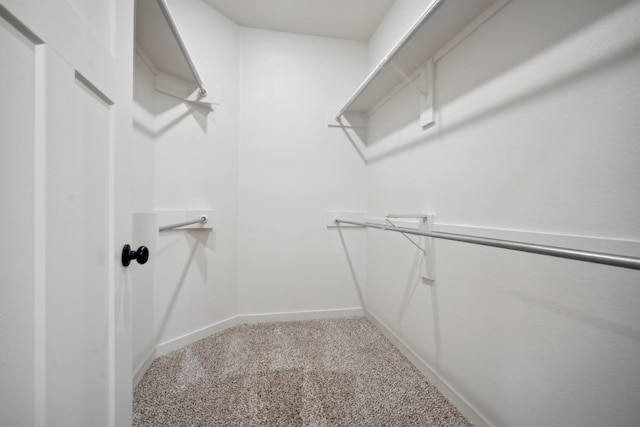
[[300, 315], [190, 338], [142, 369], [449, 392]]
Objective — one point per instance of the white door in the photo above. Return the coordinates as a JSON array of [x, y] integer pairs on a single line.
[[65, 95]]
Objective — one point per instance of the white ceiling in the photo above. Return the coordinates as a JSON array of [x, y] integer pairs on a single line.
[[344, 19]]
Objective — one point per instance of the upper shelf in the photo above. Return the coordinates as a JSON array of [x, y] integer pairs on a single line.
[[438, 24], [161, 47]]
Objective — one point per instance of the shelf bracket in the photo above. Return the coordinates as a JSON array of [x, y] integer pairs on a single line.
[[408, 80], [425, 244], [429, 265], [423, 83], [427, 112], [417, 245]]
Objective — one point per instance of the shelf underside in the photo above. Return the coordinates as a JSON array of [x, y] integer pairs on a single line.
[[447, 21]]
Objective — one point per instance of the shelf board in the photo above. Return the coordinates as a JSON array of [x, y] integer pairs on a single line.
[[433, 30]]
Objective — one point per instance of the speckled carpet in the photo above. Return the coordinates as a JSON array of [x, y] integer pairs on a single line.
[[337, 372]]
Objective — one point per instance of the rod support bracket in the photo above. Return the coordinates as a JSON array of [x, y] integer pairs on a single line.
[[428, 270], [424, 243]]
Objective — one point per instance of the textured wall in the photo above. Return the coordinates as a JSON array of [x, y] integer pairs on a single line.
[[536, 131], [266, 163], [535, 139], [187, 159], [292, 169]]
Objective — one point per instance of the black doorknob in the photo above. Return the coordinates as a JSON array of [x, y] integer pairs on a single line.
[[141, 255]]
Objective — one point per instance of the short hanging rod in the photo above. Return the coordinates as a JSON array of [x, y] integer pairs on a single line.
[[580, 255], [200, 220], [176, 34]]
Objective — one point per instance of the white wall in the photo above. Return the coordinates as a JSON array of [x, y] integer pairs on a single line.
[[536, 131], [187, 160], [270, 178], [292, 169]]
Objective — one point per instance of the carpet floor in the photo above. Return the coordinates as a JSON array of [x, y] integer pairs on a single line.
[[336, 372]]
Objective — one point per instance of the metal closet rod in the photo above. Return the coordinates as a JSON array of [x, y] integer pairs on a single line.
[[176, 34], [580, 255], [202, 220], [391, 55]]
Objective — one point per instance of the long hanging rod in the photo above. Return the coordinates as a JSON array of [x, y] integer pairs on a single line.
[[391, 55], [176, 34], [580, 255], [202, 220]]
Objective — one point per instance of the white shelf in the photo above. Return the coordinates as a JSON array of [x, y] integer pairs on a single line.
[[158, 47], [438, 24]]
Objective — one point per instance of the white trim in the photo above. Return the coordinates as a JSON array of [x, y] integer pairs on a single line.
[[142, 369], [445, 388], [40, 236], [115, 333], [191, 337], [589, 243], [244, 319]]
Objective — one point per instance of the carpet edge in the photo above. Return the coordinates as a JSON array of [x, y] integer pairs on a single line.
[[191, 337], [430, 374]]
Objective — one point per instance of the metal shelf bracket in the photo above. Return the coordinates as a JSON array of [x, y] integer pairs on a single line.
[[425, 243]]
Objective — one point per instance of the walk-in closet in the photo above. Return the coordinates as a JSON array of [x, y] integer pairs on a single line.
[[320, 213]]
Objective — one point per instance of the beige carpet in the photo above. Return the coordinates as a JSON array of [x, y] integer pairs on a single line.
[[337, 372]]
